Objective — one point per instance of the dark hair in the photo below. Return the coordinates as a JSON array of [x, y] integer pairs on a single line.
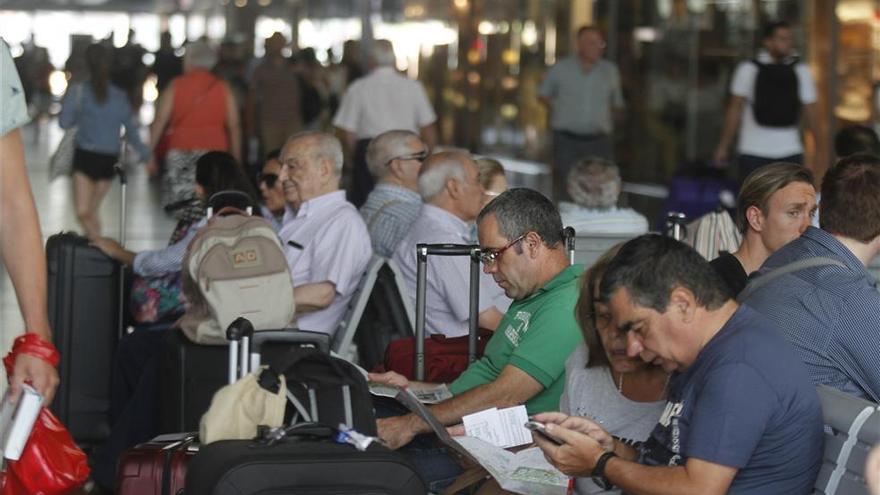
[[585, 309], [650, 266], [219, 171], [762, 183], [856, 139], [98, 61], [771, 27], [589, 27], [850, 203], [520, 210], [273, 155]]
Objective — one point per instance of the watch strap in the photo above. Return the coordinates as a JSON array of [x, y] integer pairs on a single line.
[[598, 473]]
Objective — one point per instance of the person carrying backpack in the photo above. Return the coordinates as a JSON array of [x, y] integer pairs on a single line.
[[771, 95]]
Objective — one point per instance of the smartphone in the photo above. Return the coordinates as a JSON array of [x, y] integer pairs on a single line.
[[540, 429]]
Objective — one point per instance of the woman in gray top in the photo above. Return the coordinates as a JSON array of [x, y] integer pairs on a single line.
[[624, 394]]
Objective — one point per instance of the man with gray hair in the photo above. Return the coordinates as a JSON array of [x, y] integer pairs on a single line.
[[383, 100], [326, 244], [594, 186], [524, 251], [395, 159], [453, 197]]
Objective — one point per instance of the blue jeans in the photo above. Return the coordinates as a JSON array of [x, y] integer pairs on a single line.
[[431, 459]]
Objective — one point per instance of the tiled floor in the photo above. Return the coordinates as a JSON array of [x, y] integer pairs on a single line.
[[147, 226]]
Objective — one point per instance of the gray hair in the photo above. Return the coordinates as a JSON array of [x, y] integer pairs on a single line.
[[520, 210], [322, 146], [383, 53], [438, 169], [594, 183], [200, 55], [384, 148]]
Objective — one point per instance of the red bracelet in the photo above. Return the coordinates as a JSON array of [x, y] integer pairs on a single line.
[[34, 345]]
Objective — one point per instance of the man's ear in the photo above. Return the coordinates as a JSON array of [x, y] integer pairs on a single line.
[[683, 304], [755, 217], [532, 244], [453, 187]]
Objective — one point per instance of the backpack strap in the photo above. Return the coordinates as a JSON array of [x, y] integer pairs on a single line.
[[794, 266]]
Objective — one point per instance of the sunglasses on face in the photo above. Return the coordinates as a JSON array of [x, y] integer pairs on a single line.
[[488, 256], [419, 157], [269, 179]]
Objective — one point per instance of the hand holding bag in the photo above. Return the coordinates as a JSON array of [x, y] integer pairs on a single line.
[[51, 462], [61, 162]]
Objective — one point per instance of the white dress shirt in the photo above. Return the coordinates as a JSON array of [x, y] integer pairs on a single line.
[[327, 241]]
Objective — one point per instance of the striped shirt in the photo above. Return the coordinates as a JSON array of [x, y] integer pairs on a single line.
[[608, 221], [169, 259], [389, 212], [830, 314]]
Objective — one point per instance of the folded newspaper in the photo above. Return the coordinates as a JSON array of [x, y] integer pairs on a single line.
[[526, 472]]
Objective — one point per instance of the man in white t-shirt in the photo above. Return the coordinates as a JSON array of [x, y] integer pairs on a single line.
[[771, 96], [382, 101]]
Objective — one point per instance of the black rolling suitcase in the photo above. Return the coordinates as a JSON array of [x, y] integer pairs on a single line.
[[305, 459], [85, 301], [305, 465]]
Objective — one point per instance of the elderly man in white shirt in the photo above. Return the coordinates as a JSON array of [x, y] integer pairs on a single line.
[[453, 197], [383, 100], [326, 244]]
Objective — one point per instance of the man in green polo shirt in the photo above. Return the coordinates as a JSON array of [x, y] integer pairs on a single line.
[[520, 234]]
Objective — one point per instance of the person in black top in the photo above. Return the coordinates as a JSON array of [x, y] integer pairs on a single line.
[[776, 204]]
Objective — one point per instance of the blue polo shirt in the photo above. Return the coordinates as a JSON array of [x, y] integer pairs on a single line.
[[830, 314]]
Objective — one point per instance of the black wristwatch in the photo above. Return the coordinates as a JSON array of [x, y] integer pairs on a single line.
[[598, 473]]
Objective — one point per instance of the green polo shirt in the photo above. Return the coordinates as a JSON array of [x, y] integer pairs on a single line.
[[536, 335]]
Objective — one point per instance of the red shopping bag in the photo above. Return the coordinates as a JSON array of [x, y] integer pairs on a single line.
[[51, 462]]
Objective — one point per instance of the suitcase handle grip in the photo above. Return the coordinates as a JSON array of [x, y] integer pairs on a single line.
[[290, 336], [423, 250]]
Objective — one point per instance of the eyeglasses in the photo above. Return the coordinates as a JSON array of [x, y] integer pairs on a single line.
[[269, 179], [489, 256], [419, 157]]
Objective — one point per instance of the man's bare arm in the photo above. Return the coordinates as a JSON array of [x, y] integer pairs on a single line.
[[696, 477], [512, 387], [313, 297], [429, 135]]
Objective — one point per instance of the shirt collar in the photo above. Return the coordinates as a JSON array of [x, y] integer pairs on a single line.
[[571, 272], [830, 243], [764, 57], [320, 203], [444, 217], [409, 194]]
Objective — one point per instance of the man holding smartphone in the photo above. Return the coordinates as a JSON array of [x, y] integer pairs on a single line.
[[742, 414]]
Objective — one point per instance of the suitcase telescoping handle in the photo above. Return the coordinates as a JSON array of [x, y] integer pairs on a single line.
[[568, 234], [291, 337], [123, 182], [422, 253], [239, 333]]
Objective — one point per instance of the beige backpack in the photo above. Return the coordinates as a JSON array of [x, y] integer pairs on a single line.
[[235, 266]]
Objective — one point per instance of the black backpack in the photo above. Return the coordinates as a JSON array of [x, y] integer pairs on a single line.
[[776, 102], [327, 390]]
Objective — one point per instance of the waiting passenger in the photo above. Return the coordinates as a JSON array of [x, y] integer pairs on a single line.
[[326, 244], [594, 186], [523, 250], [453, 198], [275, 208], [741, 414], [395, 159], [831, 313], [491, 177], [776, 204], [156, 289]]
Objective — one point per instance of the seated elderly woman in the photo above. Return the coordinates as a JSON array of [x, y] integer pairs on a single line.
[[594, 186]]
